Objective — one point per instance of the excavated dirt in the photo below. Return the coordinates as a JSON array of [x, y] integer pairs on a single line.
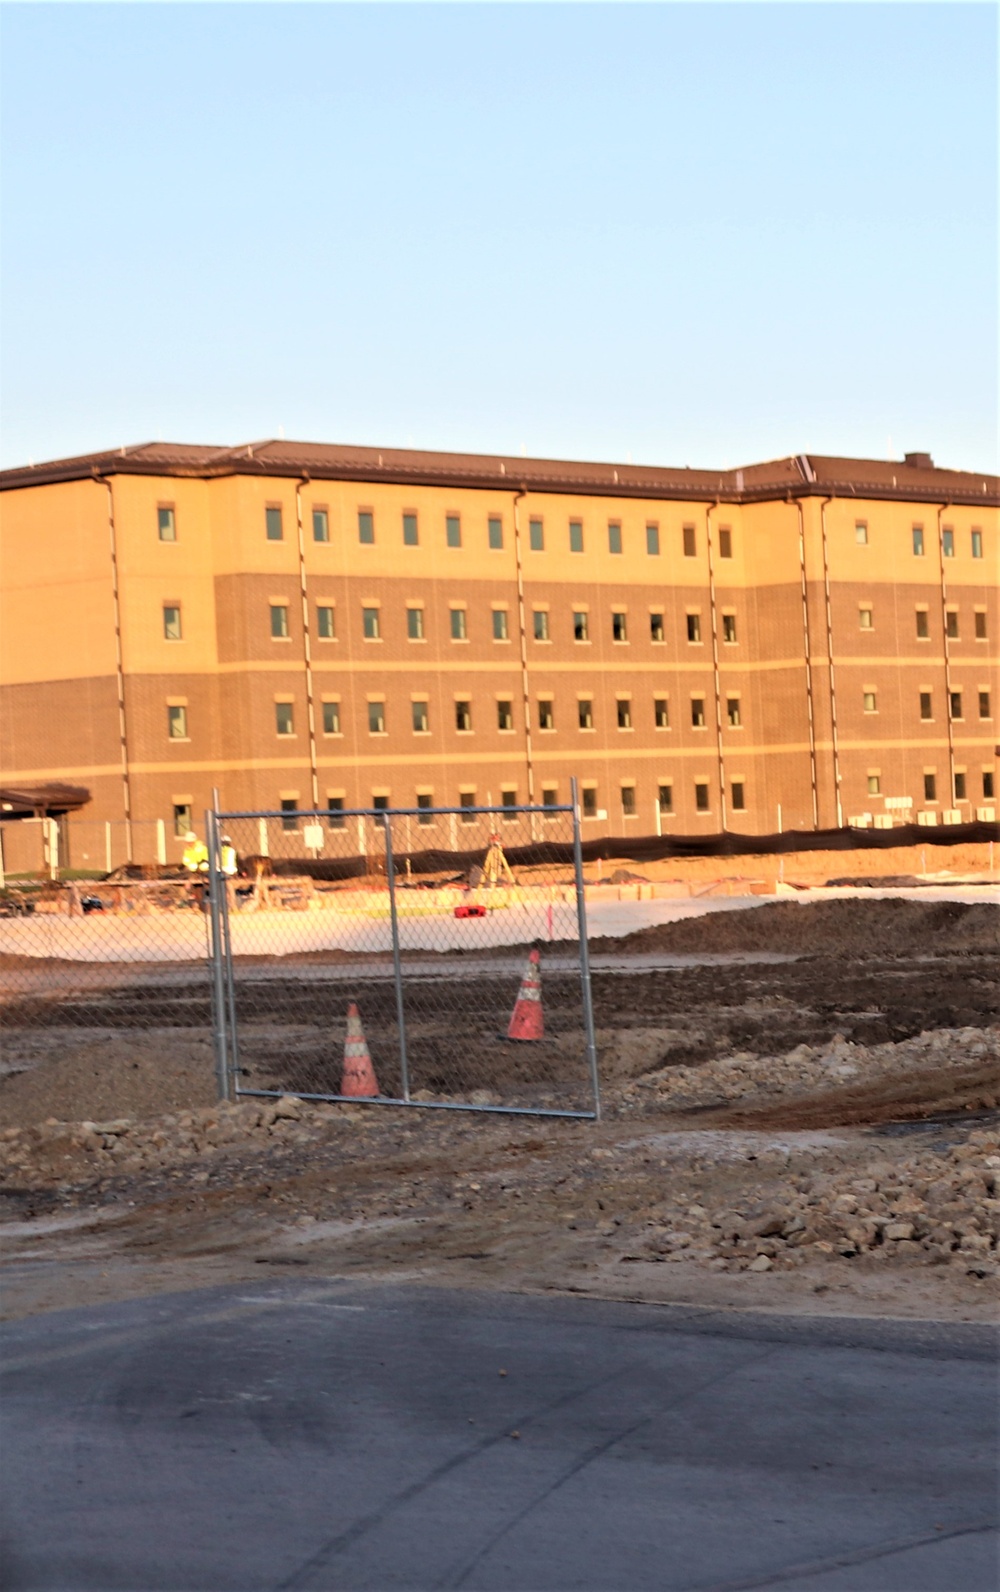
[[813, 1134]]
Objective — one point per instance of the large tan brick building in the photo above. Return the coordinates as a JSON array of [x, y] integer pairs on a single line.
[[793, 644]]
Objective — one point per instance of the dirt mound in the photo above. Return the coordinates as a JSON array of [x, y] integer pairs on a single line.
[[838, 928], [127, 1076], [933, 1093]]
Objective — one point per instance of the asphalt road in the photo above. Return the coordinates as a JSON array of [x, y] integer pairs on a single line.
[[362, 1436]]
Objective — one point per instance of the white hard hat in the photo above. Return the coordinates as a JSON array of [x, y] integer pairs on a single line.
[[190, 835]]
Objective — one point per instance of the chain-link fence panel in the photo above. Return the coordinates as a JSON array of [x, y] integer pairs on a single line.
[[454, 933]]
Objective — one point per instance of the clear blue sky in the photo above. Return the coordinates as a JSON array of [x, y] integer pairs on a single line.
[[697, 234]]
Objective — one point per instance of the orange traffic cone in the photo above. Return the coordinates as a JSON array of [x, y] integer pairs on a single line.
[[526, 1019], [359, 1079]]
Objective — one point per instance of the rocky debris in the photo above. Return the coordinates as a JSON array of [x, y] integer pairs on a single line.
[[744, 1077], [931, 1208]]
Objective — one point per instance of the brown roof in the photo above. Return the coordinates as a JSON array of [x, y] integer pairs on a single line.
[[797, 475], [28, 801]]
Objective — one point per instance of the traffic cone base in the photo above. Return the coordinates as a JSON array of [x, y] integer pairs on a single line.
[[526, 1020], [358, 1081]]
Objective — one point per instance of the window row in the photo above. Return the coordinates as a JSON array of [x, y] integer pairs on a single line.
[[952, 623], [540, 629], [960, 788], [949, 546], [955, 705]]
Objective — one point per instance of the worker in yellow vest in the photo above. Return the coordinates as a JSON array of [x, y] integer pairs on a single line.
[[195, 857], [228, 861]]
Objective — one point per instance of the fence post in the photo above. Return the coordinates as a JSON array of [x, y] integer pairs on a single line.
[[581, 920], [107, 846], [161, 842], [390, 874], [216, 880]]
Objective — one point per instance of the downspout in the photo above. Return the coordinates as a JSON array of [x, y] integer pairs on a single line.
[[102, 480], [943, 509], [829, 657], [307, 646], [715, 664], [522, 492], [807, 648]]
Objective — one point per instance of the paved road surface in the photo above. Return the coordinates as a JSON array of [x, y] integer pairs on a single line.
[[309, 1435]]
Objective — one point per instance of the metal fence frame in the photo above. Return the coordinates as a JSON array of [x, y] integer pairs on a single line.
[[225, 1030]]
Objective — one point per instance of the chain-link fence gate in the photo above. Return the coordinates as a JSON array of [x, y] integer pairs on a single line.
[[427, 919]]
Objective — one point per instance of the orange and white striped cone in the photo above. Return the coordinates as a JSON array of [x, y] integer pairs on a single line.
[[526, 1019], [358, 1081]]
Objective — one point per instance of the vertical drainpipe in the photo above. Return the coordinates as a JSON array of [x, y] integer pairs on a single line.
[[522, 492], [943, 509], [829, 657], [807, 649], [102, 480], [307, 645], [715, 663]]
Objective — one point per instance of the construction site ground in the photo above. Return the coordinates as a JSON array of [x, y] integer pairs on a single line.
[[801, 1113]]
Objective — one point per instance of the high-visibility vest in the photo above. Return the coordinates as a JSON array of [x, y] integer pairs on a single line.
[[195, 857], [227, 859]]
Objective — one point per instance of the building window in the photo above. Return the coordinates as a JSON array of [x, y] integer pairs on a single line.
[[725, 542], [870, 702], [984, 705], [289, 813], [728, 627], [459, 631], [918, 541], [536, 536], [421, 720], [694, 627], [737, 792], [690, 539], [653, 540], [166, 522], [874, 784], [182, 819], [415, 624], [589, 794], [619, 626], [335, 812], [380, 803], [550, 796], [960, 795], [866, 619], [371, 624], [614, 536], [467, 800], [951, 624], [452, 530], [494, 531], [628, 801], [980, 625], [331, 718], [977, 544], [624, 712], [500, 632], [376, 718], [923, 624], [656, 630], [665, 798], [171, 622], [733, 712], [661, 713], [546, 714], [284, 718], [505, 714], [581, 626], [861, 533], [321, 525], [956, 704], [576, 536], [326, 627], [463, 716], [585, 713], [272, 523], [177, 723], [988, 783], [540, 622], [423, 805], [366, 526], [701, 795], [279, 622], [508, 801], [930, 787], [698, 712], [926, 705], [410, 536], [948, 541]]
